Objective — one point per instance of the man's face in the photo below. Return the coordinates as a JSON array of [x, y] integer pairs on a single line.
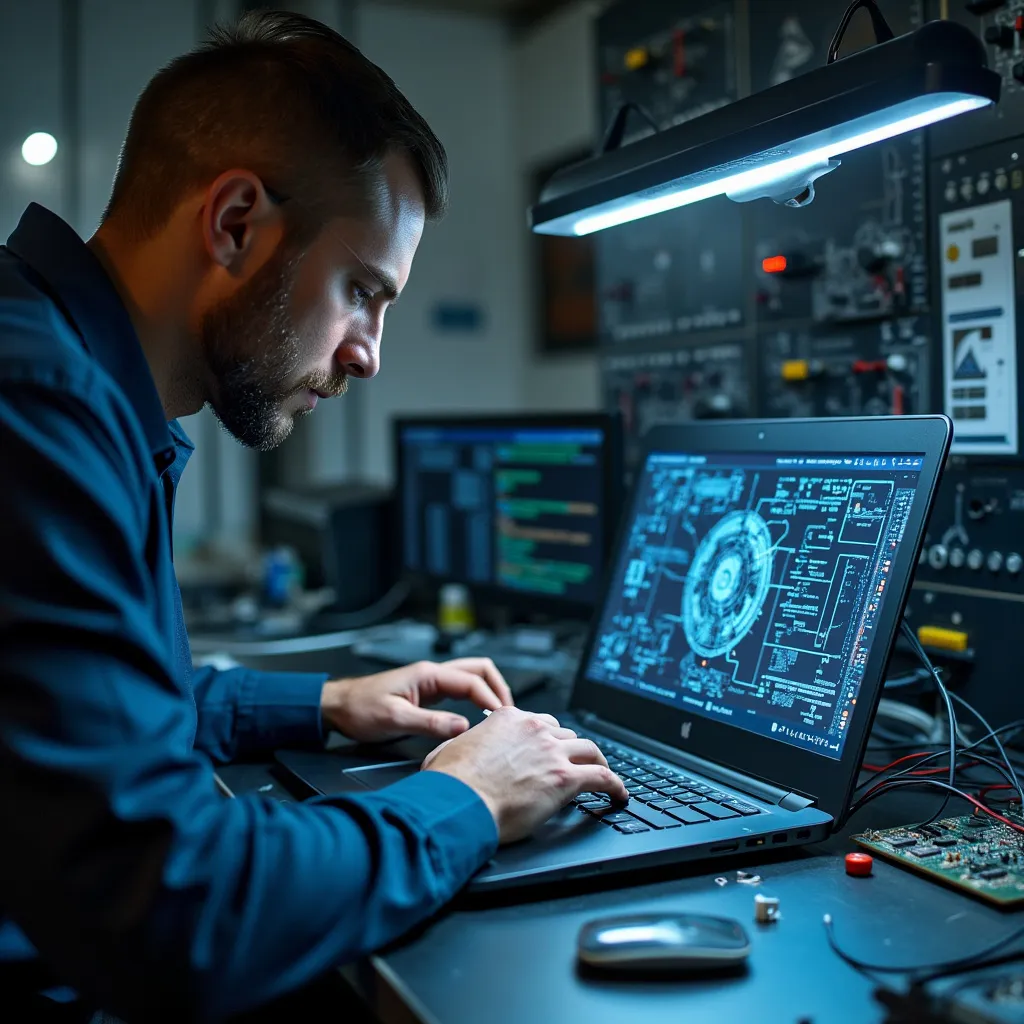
[[308, 320]]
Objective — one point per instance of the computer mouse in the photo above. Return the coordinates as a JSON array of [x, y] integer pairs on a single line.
[[663, 942]]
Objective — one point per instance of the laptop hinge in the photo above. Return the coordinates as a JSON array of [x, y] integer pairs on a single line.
[[785, 799]]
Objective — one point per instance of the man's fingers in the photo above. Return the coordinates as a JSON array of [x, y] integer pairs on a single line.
[[596, 778], [449, 680], [427, 722], [548, 720], [584, 752], [488, 671], [564, 734]]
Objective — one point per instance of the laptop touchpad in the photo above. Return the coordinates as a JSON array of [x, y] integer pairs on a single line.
[[380, 775]]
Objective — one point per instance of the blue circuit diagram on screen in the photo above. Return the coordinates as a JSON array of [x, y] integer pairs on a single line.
[[750, 592]]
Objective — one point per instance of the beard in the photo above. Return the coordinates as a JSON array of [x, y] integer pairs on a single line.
[[254, 354]]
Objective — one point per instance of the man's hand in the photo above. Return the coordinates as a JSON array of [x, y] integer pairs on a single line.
[[381, 707], [525, 767]]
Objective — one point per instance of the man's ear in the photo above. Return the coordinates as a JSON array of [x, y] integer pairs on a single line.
[[237, 218]]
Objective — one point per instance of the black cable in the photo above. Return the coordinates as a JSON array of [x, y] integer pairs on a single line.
[[942, 965], [916, 766], [911, 638], [919, 675], [1013, 780], [883, 33], [892, 784]]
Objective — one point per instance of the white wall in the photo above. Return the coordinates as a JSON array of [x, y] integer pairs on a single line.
[[555, 117], [457, 71], [30, 82]]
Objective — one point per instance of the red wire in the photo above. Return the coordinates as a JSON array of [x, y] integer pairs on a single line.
[[910, 757], [899, 760], [966, 796], [988, 789]]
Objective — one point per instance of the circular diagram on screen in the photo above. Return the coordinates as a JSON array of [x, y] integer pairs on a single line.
[[727, 583]]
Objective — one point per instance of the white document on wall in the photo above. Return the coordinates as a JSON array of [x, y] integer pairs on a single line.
[[979, 329]]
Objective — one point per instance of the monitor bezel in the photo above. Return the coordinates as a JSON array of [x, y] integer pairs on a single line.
[[492, 595], [828, 781]]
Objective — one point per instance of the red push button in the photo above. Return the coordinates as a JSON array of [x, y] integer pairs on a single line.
[[859, 864]]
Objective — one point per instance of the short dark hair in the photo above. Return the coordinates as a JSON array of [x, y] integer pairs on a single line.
[[283, 96]]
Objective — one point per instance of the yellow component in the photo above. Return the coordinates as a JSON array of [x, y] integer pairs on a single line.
[[796, 369], [637, 58], [1016, 178], [943, 639], [953, 253]]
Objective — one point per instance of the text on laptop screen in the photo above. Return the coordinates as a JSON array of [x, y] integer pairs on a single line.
[[748, 587], [514, 507]]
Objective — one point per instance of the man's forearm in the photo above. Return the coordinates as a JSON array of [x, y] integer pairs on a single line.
[[243, 711]]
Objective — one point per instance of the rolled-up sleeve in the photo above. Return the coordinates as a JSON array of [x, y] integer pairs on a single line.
[[134, 880]]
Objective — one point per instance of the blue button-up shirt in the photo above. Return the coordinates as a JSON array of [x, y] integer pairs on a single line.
[[123, 873]]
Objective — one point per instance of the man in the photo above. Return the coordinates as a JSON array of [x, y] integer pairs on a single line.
[[271, 193]]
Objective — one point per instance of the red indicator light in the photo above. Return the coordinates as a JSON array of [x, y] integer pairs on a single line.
[[774, 264]]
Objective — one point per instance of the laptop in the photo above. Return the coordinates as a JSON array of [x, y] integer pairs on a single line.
[[738, 654]]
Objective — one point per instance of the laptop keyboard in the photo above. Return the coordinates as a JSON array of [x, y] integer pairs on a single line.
[[660, 796]]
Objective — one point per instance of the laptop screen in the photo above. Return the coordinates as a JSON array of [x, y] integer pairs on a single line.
[[748, 587]]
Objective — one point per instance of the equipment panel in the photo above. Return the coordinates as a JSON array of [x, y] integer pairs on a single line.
[[686, 383], [969, 585], [675, 61], [998, 27], [861, 370], [671, 275], [858, 251]]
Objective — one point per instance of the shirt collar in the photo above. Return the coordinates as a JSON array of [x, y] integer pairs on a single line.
[[76, 280]]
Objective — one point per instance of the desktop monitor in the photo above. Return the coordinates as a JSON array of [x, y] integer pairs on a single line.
[[521, 509]]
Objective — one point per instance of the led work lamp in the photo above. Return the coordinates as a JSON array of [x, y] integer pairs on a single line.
[[775, 143]]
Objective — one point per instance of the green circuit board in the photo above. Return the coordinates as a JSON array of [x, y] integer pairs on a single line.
[[975, 854]]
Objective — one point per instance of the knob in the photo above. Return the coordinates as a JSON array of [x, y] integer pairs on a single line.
[[957, 557], [1014, 563], [999, 35], [975, 559], [938, 556], [994, 561]]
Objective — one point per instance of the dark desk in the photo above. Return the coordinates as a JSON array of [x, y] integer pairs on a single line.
[[501, 964]]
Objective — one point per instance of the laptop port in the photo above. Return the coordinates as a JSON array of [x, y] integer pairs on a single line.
[[780, 837], [804, 833], [724, 848], [758, 841]]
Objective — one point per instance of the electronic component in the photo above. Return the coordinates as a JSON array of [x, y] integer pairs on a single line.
[[976, 854], [663, 942], [766, 909], [859, 864]]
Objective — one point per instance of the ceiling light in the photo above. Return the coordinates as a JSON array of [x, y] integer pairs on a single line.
[[775, 143], [39, 148]]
